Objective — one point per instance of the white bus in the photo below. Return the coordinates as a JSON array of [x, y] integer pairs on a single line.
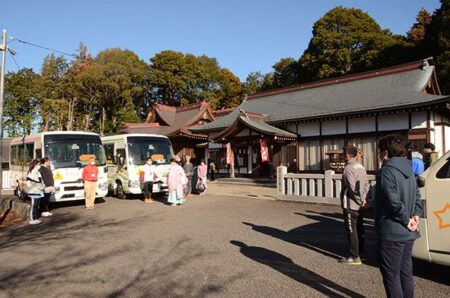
[[434, 243], [68, 152], [126, 155]]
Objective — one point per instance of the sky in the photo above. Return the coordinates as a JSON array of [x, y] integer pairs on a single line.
[[244, 35]]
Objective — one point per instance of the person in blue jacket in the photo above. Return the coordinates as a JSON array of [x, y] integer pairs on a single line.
[[417, 164], [398, 207]]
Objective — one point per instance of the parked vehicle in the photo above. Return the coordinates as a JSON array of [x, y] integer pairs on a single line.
[[434, 243], [68, 151], [125, 157]]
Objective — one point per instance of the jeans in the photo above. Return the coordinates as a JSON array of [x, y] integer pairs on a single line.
[[354, 225], [396, 268]]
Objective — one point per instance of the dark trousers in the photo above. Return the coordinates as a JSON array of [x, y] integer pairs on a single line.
[[148, 189], [43, 204], [212, 176], [396, 268], [34, 209], [354, 225]]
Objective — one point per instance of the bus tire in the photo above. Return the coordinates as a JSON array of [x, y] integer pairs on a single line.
[[120, 194]]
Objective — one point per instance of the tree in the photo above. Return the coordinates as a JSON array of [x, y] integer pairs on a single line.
[[119, 81], [253, 83], [437, 44], [179, 79], [286, 73], [53, 105], [417, 32], [345, 40], [229, 94], [20, 104]]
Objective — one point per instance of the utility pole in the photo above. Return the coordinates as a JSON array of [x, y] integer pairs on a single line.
[[2, 88]]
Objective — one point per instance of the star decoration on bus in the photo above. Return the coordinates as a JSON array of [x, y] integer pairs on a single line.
[[442, 215]]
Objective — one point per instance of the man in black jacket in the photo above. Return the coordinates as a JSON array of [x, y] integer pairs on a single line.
[[49, 182], [397, 209]]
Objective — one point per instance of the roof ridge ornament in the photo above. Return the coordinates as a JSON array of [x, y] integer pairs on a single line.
[[243, 113]]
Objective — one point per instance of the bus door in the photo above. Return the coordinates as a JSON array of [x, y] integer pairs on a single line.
[[120, 158], [437, 192]]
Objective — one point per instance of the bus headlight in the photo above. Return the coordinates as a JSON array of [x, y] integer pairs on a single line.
[[103, 186], [134, 184]]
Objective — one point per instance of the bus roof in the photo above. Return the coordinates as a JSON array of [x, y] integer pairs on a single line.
[[123, 136], [38, 136]]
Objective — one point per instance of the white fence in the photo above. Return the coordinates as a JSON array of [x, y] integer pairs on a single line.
[[326, 185], [5, 180]]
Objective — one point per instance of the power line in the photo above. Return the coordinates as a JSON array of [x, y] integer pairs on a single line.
[[15, 61], [43, 47]]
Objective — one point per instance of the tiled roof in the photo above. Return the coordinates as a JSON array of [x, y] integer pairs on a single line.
[[393, 87]]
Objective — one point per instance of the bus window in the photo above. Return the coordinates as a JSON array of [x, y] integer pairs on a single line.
[[29, 152], [38, 153], [444, 172], [109, 152], [13, 155], [121, 157], [21, 156]]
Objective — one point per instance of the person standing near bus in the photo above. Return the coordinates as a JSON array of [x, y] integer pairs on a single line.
[[35, 190], [148, 178], [189, 171], [90, 176], [49, 183], [398, 207], [176, 181], [355, 187]]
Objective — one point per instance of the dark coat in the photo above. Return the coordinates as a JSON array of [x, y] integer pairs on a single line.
[[47, 176], [397, 199]]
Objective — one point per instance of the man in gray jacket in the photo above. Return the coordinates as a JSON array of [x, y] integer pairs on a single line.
[[353, 196]]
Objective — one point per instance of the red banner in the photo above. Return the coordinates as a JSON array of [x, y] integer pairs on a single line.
[[264, 150], [229, 154]]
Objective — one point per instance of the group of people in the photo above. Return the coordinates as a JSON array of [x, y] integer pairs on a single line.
[[421, 162], [179, 179], [397, 203], [40, 187]]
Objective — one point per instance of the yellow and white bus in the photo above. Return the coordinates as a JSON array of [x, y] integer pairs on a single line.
[[434, 243], [68, 152], [125, 157]]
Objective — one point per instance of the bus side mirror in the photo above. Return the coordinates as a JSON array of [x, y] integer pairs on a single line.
[[420, 182]]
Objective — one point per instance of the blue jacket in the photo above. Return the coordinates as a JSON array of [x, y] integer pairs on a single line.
[[397, 199], [417, 166]]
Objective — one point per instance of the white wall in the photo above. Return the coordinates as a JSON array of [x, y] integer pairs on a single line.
[[419, 119], [438, 140], [334, 127], [393, 122], [361, 125], [215, 145], [309, 129], [447, 138]]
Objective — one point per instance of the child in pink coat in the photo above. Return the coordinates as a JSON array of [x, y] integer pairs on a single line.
[[176, 181]]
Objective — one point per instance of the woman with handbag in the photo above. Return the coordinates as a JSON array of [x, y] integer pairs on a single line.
[[35, 190], [49, 190], [202, 172]]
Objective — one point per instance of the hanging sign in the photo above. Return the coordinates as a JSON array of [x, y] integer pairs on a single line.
[[229, 154], [264, 150]]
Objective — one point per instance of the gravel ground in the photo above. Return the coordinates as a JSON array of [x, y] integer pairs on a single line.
[[215, 245]]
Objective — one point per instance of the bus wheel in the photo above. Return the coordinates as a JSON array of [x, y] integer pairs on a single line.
[[120, 194]]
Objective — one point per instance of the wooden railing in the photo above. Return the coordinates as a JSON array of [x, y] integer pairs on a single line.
[[326, 185]]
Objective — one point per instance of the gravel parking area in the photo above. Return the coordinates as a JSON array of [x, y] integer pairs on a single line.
[[215, 245]]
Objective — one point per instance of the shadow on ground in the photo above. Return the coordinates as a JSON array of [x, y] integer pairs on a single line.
[[300, 274], [66, 257], [325, 236]]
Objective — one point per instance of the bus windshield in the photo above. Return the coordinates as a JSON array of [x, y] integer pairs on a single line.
[[140, 148], [71, 151]]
